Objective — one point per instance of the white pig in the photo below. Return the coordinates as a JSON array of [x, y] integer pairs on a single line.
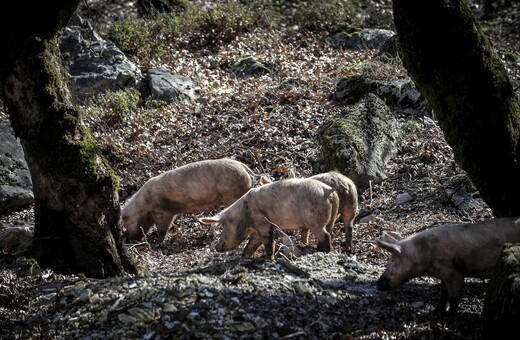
[[194, 187], [288, 204], [449, 253], [348, 202]]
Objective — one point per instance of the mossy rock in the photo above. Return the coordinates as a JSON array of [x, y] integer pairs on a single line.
[[360, 142], [250, 66]]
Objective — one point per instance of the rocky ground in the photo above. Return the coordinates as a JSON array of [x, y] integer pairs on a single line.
[[194, 292]]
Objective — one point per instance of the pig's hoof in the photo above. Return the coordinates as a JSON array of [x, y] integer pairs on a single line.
[[269, 258]]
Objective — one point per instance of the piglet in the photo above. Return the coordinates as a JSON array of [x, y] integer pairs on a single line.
[[286, 204], [194, 187], [449, 253]]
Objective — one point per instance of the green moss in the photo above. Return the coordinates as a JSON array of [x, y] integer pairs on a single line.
[[62, 145], [511, 56]]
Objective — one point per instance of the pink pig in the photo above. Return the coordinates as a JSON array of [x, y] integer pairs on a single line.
[[194, 187], [348, 201], [287, 204], [449, 253]]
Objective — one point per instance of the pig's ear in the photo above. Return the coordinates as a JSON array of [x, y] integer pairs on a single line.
[[210, 220], [393, 248], [264, 180], [389, 237]]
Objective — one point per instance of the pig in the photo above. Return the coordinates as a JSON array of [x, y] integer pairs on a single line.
[[348, 202], [289, 204], [449, 253], [194, 187]]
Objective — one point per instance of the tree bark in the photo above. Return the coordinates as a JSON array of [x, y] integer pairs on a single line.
[[501, 310], [76, 191], [453, 64]]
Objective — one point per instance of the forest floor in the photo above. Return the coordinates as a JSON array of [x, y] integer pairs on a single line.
[[192, 291]]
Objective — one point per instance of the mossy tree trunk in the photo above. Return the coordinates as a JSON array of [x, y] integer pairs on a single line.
[[76, 191], [452, 63]]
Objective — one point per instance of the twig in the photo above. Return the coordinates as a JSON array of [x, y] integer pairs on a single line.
[[280, 229], [293, 335], [370, 191], [145, 242], [293, 269], [139, 244]]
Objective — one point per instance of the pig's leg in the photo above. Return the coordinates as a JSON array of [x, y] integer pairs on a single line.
[[443, 299], [163, 220], [265, 234], [267, 238], [455, 287], [451, 290], [348, 222], [305, 236], [252, 246]]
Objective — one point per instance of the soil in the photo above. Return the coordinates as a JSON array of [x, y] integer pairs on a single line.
[[192, 291]]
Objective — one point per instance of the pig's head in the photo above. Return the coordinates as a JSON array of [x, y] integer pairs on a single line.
[[133, 220], [235, 221], [402, 266]]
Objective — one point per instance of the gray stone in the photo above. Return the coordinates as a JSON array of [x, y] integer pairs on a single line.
[[398, 93], [370, 38], [16, 239], [403, 198], [95, 65], [169, 87], [360, 142], [15, 178]]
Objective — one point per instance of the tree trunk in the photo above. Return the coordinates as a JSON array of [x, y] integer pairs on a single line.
[[76, 191], [452, 63]]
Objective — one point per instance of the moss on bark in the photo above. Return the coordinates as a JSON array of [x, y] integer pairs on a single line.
[[453, 64], [77, 210], [502, 304]]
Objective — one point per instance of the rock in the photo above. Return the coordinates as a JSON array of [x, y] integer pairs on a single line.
[[15, 178], [370, 38], [170, 88], [462, 193], [16, 239], [95, 65], [398, 93], [360, 142], [250, 66], [403, 198]]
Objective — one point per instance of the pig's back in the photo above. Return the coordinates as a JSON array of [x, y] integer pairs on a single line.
[[473, 248], [294, 203], [347, 190], [205, 184]]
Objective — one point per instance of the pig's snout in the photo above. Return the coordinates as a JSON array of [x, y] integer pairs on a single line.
[[383, 283], [221, 246]]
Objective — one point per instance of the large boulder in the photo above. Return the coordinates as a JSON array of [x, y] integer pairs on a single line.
[[398, 91], [169, 87], [95, 65], [15, 178], [360, 142]]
